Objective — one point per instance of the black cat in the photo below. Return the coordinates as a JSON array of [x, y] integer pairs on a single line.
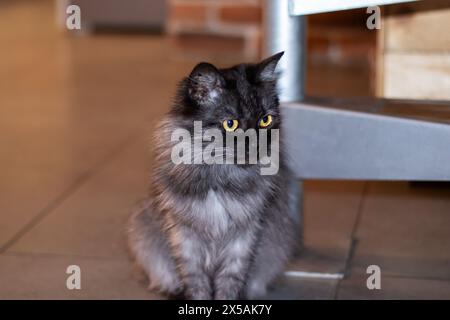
[[217, 231]]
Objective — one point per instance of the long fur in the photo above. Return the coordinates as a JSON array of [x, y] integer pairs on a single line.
[[215, 231]]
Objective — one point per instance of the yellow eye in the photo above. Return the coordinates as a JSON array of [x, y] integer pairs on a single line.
[[230, 125], [265, 121]]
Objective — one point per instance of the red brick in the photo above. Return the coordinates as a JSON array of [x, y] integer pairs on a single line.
[[245, 14], [209, 42], [196, 13]]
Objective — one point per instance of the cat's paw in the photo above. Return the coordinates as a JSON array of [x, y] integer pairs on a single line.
[[256, 290], [199, 295], [170, 289]]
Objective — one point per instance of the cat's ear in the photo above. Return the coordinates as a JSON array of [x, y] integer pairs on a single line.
[[205, 83], [266, 68]]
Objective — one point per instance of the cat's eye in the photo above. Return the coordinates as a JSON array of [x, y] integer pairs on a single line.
[[230, 125], [265, 121]]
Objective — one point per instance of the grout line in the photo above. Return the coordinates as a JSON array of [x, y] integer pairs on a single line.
[[56, 202], [346, 272], [360, 208], [412, 277], [353, 239]]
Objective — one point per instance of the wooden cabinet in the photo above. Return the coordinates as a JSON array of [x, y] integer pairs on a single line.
[[413, 59]]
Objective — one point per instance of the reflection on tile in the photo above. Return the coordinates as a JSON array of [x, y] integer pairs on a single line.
[[294, 288], [318, 259]]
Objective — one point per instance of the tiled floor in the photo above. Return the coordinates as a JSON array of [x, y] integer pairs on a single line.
[[75, 117]]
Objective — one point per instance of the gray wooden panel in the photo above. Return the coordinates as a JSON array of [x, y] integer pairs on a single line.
[[328, 143]]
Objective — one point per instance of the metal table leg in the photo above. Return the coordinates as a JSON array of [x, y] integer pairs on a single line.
[[287, 33]]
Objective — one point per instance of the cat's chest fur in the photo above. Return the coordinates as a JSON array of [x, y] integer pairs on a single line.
[[219, 212]]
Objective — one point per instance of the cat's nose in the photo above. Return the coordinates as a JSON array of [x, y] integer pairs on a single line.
[[249, 125]]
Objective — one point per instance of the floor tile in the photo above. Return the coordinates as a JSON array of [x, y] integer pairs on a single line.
[[92, 221], [54, 129], [394, 288], [293, 288], [44, 277], [404, 229], [330, 211]]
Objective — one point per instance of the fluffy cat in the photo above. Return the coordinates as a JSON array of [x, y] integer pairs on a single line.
[[220, 231]]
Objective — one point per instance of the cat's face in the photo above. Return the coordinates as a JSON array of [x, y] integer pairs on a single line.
[[240, 106], [241, 97]]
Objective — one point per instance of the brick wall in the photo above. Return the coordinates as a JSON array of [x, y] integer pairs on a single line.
[[233, 28], [217, 27]]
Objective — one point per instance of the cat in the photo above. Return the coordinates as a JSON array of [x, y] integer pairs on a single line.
[[221, 231]]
